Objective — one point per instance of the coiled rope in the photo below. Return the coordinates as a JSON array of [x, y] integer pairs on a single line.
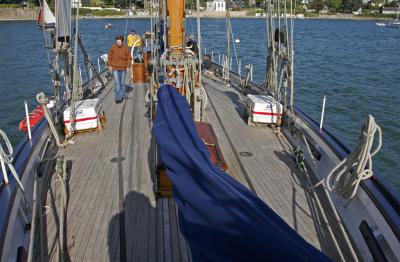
[[346, 177], [7, 157]]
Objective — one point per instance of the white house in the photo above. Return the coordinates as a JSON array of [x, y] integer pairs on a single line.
[[76, 3], [390, 10], [216, 6]]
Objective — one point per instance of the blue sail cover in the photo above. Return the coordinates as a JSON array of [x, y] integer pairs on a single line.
[[220, 218]]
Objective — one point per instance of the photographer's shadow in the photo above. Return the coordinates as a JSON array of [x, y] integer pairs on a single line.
[[132, 232]]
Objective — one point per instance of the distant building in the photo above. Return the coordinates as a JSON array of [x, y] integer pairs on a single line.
[[216, 6], [390, 10], [252, 2], [24, 4], [76, 3]]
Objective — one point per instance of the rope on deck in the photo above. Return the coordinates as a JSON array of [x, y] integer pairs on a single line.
[[346, 177]]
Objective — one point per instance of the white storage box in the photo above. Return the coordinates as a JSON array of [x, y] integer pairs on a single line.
[[86, 114], [263, 109]]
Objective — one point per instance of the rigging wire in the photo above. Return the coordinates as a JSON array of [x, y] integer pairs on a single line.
[[44, 36], [235, 51], [127, 21]]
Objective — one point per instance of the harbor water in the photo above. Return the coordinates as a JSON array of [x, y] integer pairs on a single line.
[[354, 63]]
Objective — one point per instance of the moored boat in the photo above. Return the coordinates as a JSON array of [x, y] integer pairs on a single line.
[[46, 18]]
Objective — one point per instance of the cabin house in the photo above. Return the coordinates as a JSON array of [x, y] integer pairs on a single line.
[[216, 6], [390, 10]]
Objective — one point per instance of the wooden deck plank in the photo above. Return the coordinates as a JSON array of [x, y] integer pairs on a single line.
[[88, 219], [93, 207], [152, 236], [82, 169], [183, 246], [104, 197], [167, 231], [82, 218], [160, 231], [151, 226], [175, 247], [271, 170], [256, 166]]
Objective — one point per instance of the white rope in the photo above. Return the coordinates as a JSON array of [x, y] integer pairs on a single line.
[[346, 177], [7, 157]]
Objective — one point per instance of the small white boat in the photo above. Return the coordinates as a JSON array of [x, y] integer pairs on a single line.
[[394, 24], [391, 24]]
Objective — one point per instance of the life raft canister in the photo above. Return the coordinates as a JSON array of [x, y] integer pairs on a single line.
[[34, 118]]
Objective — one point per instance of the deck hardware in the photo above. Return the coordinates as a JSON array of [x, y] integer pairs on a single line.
[[245, 154], [372, 242], [116, 159]]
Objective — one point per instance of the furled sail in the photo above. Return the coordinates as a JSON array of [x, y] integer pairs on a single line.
[[63, 14], [220, 218]]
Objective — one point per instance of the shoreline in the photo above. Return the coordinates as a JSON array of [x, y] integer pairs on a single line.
[[30, 15], [210, 17]]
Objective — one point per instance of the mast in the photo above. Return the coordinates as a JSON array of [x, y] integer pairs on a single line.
[[199, 35], [176, 12], [279, 79], [180, 60]]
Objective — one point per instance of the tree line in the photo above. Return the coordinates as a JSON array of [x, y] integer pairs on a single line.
[[348, 6]]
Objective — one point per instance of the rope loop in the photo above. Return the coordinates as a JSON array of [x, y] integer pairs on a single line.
[[346, 177], [6, 157]]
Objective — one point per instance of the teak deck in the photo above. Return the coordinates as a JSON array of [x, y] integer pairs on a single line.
[[111, 183]]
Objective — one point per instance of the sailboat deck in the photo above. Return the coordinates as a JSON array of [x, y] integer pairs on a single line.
[[111, 183], [258, 159], [109, 173]]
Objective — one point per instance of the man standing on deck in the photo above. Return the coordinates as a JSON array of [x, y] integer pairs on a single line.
[[119, 61], [191, 46], [135, 43]]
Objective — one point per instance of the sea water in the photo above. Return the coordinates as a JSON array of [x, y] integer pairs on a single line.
[[354, 63]]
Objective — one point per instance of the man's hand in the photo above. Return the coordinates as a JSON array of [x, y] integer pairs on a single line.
[[110, 69], [127, 69]]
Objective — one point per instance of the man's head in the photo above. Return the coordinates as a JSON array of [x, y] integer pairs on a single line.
[[133, 32], [119, 39]]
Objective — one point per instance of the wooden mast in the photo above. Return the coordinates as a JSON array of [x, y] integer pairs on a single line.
[[176, 13]]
